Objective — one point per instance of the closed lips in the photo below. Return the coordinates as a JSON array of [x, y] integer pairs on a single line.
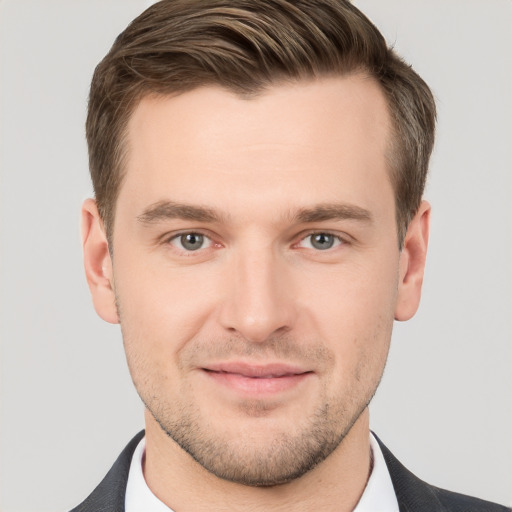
[[269, 371]]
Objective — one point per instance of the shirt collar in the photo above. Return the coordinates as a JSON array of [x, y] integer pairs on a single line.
[[378, 494], [138, 495]]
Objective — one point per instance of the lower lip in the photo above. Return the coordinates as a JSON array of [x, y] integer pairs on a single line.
[[258, 385]]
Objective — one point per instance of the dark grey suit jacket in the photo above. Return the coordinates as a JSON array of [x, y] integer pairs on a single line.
[[413, 494]]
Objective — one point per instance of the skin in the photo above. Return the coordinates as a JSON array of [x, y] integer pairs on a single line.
[[207, 331]]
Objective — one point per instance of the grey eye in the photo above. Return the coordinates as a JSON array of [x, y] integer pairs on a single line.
[[191, 241], [322, 241]]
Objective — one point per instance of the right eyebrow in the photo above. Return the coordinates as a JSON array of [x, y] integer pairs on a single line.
[[165, 210]]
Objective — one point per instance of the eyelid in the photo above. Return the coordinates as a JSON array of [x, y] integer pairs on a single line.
[[171, 235]]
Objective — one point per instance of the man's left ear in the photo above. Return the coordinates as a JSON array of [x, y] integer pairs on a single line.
[[412, 264]]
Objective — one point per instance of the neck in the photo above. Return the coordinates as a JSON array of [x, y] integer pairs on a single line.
[[175, 478]]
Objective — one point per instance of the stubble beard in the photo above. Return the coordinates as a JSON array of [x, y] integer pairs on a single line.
[[250, 458], [246, 460]]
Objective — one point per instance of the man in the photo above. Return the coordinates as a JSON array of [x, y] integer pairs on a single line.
[[258, 226]]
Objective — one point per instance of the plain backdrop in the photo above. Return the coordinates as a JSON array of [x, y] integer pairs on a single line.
[[67, 403]]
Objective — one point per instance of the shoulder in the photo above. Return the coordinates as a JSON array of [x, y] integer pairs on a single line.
[[461, 503], [415, 495]]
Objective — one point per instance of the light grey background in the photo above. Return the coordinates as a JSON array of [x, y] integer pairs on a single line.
[[67, 404]]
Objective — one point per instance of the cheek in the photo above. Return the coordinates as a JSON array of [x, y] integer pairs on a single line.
[[353, 313], [352, 298], [162, 307]]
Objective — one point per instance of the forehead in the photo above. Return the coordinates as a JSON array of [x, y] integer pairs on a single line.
[[294, 139]]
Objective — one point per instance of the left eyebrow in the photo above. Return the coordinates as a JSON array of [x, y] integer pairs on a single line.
[[333, 211]]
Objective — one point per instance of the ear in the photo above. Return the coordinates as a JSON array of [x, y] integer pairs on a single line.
[[412, 264], [98, 263]]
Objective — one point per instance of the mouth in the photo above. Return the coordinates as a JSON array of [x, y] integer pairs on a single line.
[[250, 379]]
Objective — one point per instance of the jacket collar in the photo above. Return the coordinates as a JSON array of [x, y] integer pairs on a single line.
[[412, 494], [109, 496]]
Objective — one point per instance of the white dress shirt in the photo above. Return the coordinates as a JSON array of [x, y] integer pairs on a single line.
[[378, 496]]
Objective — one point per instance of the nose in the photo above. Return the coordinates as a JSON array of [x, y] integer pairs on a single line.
[[258, 300]]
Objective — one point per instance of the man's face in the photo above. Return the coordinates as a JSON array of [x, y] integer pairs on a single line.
[[256, 270]]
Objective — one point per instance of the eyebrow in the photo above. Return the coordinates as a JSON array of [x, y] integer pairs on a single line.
[[333, 211], [165, 210]]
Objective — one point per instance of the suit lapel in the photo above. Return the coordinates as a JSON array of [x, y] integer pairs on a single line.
[[110, 494], [413, 494]]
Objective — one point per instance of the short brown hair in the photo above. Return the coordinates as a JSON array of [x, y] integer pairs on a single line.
[[246, 46]]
